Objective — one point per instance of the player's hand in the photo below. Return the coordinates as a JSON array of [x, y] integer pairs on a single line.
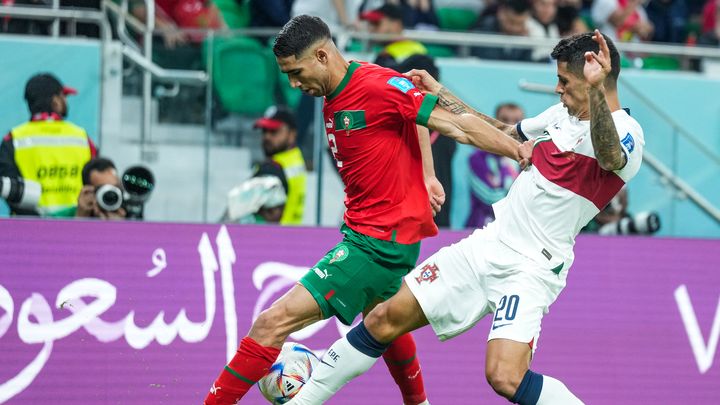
[[436, 193], [423, 81], [525, 151], [597, 65]]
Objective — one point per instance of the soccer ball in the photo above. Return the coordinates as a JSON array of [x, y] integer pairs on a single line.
[[288, 374]]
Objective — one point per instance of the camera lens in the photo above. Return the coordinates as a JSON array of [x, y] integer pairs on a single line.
[[109, 197]]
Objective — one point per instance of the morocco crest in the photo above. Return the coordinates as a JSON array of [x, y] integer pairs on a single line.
[[429, 273]]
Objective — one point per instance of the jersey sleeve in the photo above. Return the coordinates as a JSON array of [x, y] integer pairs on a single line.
[[531, 128], [402, 96], [632, 142]]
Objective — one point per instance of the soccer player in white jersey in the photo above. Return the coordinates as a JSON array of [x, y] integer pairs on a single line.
[[585, 149]]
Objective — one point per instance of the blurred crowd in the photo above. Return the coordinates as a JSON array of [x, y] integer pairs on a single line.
[[77, 182]]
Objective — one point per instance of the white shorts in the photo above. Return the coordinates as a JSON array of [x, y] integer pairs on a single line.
[[479, 275]]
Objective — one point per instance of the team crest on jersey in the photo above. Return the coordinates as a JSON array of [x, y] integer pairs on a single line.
[[628, 142], [401, 84], [429, 273], [347, 121], [341, 253]]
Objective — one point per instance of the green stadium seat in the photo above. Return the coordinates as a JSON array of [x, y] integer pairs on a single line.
[[439, 51], [456, 19], [661, 63], [235, 15], [244, 75]]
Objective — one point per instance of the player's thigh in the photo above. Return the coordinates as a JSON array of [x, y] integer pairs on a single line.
[[293, 311], [449, 286], [398, 315]]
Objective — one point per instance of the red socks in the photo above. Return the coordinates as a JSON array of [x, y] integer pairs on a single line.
[[251, 362], [401, 360]]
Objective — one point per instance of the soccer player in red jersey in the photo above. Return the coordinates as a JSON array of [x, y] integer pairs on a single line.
[[371, 117]]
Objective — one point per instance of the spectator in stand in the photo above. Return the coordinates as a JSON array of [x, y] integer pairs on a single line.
[[269, 13], [710, 28], [96, 173], [622, 20], [491, 175], [510, 18], [416, 14], [279, 136], [669, 18], [542, 25], [47, 149], [23, 25], [568, 18], [259, 200], [388, 20], [335, 13]]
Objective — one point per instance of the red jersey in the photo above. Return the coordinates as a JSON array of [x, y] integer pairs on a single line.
[[370, 122]]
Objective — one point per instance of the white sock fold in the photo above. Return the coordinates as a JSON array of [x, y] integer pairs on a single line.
[[340, 364], [554, 392]]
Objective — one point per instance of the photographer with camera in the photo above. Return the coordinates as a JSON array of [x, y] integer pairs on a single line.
[[104, 195], [47, 150], [101, 194], [614, 219]]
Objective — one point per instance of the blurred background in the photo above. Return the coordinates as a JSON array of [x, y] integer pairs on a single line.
[[190, 90]]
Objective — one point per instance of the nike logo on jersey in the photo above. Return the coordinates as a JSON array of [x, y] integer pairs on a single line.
[[326, 363], [501, 325]]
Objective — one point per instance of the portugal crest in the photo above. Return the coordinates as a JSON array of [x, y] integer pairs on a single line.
[[429, 273]]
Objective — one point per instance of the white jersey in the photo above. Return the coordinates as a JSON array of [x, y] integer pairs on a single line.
[[565, 188]]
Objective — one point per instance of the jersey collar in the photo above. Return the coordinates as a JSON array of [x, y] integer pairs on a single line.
[[351, 69], [43, 116]]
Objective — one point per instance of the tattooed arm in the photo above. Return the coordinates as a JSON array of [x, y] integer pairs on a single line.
[[452, 103], [605, 139], [603, 133], [425, 82]]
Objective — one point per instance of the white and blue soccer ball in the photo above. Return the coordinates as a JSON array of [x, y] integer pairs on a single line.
[[288, 374]]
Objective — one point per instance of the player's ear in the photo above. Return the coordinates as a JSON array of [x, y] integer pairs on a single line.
[[322, 55]]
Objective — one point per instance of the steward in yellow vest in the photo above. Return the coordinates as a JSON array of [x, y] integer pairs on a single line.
[[278, 141], [47, 149]]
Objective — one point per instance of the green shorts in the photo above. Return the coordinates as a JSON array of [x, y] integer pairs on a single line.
[[358, 271]]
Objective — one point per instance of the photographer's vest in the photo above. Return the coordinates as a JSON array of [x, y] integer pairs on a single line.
[[53, 154], [293, 165]]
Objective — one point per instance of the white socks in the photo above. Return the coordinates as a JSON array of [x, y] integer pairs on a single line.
[[340, 364], [555, 392]]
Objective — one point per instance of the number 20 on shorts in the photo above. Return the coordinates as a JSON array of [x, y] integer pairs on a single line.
[[507, 308]]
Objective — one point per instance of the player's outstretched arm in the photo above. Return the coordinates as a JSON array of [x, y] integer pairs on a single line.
[[472, 130], [452, 103], [603, 133]]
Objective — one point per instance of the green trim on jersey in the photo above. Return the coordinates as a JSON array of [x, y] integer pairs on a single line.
[[426, 108], [345, 80], [350, 119]]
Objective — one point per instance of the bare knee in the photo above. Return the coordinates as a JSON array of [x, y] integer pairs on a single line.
[[380, 324], [504, 378], [268, 328]]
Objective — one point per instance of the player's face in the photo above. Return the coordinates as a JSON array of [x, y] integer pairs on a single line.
[[306, 73], [573, 92]]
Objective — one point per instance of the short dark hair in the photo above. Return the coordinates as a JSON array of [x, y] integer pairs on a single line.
[[39, 92], [517, 6], [572, 50], [510, 105], [97, 164], [299, 34]]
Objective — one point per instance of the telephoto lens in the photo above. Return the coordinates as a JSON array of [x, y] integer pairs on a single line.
[[109, 197]]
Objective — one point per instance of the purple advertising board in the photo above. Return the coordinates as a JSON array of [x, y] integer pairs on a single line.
[[147, 313]]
